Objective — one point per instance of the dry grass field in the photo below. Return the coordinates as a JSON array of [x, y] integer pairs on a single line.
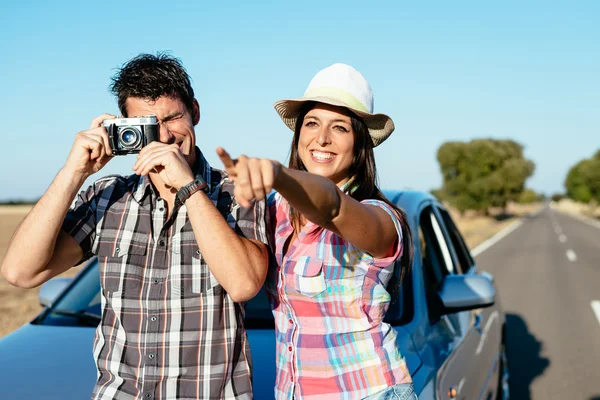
[[570, 207], [18, 306]]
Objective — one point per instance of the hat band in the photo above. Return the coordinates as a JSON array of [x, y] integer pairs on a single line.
[[338, 94]]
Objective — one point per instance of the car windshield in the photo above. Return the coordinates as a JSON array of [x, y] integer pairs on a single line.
[[81, 303]]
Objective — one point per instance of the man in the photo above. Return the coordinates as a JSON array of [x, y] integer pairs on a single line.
[[172, 326]]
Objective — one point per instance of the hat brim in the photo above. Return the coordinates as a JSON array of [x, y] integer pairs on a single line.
[[380, 125]]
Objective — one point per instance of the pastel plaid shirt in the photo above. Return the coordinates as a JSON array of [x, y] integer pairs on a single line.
[[329, 299], [168, 330]]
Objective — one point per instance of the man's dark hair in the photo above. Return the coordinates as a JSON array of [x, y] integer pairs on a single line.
[[149, 77]]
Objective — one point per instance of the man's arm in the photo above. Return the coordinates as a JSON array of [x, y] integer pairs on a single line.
[[239, 264], [39, 250]]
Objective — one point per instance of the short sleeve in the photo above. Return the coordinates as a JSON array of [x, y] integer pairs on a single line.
[[384, 262], [80, 221]]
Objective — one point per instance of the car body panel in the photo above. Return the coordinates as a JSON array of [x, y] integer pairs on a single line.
[[47, 362]]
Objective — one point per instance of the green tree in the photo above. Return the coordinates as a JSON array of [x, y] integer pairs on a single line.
[[583, 180], [483, 173], [528, 196]]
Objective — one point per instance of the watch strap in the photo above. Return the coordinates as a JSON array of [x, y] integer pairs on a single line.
[[198, 184]]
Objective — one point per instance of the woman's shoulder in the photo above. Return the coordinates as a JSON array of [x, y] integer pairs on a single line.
[[389, 209], [381, 204]]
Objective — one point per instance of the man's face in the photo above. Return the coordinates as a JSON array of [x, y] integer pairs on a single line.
[[176, 124]]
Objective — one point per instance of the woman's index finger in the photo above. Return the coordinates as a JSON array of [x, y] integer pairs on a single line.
[[225, 158]]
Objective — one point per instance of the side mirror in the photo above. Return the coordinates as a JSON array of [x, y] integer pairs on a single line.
[[52, 289], [467, 292]]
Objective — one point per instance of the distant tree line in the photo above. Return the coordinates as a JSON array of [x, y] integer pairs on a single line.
[[19, 202], [484, 173]]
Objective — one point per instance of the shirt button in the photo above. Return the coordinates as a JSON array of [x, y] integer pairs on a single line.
[[290, 348], [291, 378], [159, 199], [198, 251], [161, 243], [161, 209], [148, 395], [155, 281], [291, 321], [153, 318], [151, 356], [118, 249]]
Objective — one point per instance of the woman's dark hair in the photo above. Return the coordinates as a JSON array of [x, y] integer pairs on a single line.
[[363, 173], [150, 76]]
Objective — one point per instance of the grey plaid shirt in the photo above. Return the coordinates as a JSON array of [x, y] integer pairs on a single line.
[[168, 330]]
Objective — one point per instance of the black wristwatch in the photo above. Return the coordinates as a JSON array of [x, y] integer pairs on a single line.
[[198, 184]]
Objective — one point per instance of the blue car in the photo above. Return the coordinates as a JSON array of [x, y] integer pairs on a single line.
[[448, 317]]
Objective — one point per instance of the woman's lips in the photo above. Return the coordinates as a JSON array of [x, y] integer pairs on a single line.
[[322, 157]]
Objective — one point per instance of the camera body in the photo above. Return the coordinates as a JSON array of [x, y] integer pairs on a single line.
[[129, 135]]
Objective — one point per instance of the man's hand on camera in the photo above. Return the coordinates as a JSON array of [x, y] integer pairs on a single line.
[[166, 160], [91, 149]]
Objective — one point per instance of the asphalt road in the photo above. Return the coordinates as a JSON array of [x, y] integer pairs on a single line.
[[547, 274]]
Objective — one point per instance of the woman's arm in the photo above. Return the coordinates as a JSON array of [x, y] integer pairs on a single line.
[[317, 198]]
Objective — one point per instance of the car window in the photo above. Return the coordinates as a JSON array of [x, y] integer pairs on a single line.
[[443, 245], [436, 260], [436, 254], [463, 255]]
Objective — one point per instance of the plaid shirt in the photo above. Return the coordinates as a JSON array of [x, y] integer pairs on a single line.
[[329, 299], [168, 330]]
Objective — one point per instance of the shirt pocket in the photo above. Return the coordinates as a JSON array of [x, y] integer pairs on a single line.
[[192, 277], [309, 277], [121, 266]]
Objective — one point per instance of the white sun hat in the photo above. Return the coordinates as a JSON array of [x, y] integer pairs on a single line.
[[343, 86]]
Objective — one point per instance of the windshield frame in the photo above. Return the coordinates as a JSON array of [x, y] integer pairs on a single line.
[[49, 316]]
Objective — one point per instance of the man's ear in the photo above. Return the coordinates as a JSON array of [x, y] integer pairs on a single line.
[[195, 112]]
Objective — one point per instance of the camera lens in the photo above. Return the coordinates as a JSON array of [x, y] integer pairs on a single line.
[[130, 137]]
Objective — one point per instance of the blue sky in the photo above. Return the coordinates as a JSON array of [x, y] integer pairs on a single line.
[[443, 70]]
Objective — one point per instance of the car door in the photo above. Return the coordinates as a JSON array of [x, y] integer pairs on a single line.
[[482, 326], [444, 334]]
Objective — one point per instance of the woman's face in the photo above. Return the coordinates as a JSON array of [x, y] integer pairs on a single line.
[[326, 144]]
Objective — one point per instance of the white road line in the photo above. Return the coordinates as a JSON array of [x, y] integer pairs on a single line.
[[562, 238], [571, 255], [496, 238], [596, 308]]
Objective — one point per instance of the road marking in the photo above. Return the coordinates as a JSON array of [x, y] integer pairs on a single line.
[[558, 230], [562, 238], [596, 308], [496, 238], [571, 255]]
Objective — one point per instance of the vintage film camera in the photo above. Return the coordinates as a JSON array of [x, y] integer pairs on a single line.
[[129, 135]]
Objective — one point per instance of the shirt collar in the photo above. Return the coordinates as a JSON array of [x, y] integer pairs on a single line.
[[142, 185]]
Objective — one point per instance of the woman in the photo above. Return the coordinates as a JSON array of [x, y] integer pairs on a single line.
[[336, 239]]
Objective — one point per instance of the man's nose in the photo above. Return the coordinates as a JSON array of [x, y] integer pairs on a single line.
[[165, 135]]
